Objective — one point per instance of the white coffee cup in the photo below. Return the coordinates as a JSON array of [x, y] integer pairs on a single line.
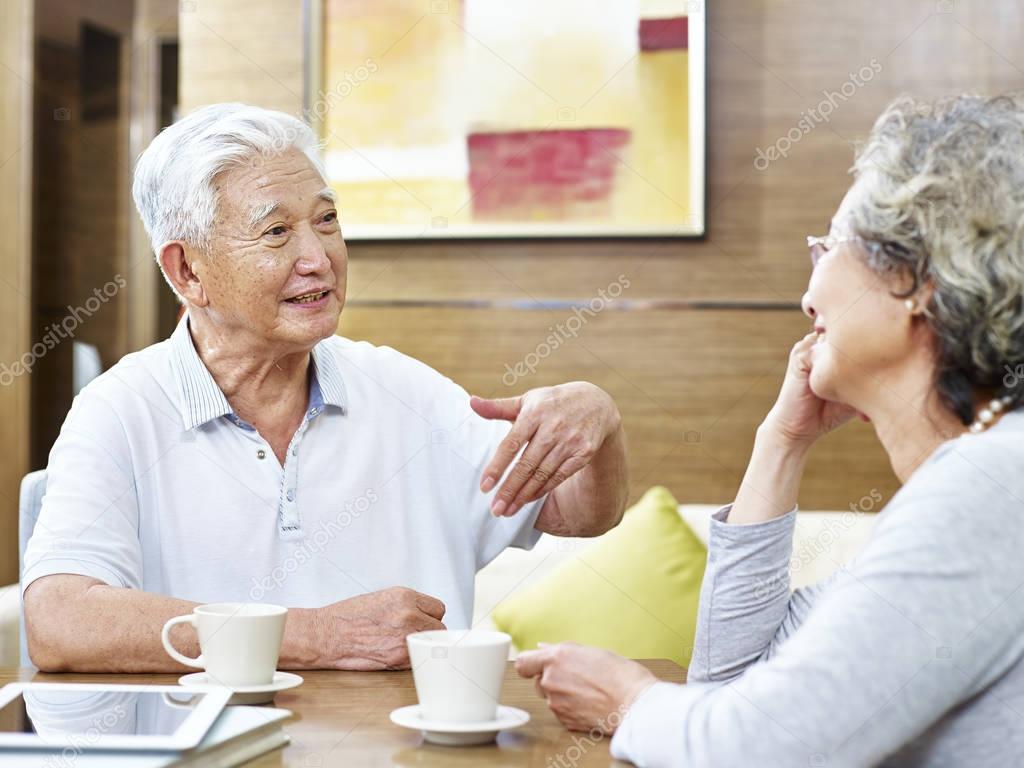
[[239, 643], [458, 673]]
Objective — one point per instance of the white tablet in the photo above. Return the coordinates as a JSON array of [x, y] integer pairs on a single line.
[[88, 716]]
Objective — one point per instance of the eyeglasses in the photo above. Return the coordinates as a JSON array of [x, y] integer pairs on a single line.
[[819, 246]]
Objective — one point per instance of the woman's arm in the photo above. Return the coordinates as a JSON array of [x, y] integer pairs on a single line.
[[745, 603], [772, 481], [930, 615], [746, 609], [799, 417], [745, 594]]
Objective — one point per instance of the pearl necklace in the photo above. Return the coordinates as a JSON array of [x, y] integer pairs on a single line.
[[988, 415]]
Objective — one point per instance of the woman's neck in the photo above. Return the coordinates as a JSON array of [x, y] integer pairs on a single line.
[[911, 422]]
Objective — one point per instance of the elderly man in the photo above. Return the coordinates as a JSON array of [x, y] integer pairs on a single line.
[[255, 455]]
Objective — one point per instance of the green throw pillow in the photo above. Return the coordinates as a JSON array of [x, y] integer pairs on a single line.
[[634, 591]]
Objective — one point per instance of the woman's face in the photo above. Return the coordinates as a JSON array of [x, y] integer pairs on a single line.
[[866, 334]]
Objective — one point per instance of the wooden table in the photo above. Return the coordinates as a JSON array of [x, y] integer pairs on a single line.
[[341, 718]]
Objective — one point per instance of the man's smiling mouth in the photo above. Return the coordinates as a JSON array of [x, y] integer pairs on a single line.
[[307, 298]]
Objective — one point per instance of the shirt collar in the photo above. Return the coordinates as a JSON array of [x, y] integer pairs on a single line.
[[327, 375], [202, 400]]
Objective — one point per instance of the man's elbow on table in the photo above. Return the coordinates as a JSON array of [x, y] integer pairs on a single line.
[[55, 640]]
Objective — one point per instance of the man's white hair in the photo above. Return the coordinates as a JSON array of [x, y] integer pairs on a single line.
[[173, 185]]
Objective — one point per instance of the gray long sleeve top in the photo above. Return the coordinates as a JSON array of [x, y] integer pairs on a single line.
[[911, 655]]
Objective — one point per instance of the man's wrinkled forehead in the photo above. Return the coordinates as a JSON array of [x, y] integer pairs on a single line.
[[254, 187]]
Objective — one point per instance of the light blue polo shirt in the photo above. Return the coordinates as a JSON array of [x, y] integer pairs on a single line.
[[155, 484]]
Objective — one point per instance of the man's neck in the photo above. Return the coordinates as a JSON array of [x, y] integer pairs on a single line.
[[255, 378]]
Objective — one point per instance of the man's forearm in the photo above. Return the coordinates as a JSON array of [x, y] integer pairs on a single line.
[[79, 624]]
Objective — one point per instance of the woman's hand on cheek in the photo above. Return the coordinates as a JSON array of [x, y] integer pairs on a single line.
[[587, 688], [799, 416]]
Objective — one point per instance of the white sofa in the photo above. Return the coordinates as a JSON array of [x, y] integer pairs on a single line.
[[823, 542]]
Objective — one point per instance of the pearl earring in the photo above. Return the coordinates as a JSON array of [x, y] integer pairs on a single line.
[[910, 304]]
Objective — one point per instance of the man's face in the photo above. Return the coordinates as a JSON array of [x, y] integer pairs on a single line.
[[278, 263]]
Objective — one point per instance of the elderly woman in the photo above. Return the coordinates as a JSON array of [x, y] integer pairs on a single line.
[[911, 655], [255, 455]]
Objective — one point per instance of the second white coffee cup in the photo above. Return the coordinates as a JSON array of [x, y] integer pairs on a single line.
[[458, 673], [239, 643]]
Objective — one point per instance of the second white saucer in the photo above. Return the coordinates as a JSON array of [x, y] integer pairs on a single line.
[[460, 734], [244, 694]]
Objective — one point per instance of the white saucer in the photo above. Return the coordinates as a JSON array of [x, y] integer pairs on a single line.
[[460, 734], [244, 694]]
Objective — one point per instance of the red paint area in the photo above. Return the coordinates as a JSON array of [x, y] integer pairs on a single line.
[[543, 175], [664, 34]]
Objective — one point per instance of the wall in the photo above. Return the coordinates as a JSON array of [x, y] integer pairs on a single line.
[[55, 159], [83, 56], [152, 309], [15, 247], [97, 102], [695, 357], [64, 174]]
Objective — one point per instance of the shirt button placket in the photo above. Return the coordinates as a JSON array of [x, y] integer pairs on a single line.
[[290, 513]]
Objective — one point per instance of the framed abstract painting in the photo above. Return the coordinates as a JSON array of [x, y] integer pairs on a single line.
[[490, 118]]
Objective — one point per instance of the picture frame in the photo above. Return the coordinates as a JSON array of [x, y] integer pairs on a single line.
[[437, 124]]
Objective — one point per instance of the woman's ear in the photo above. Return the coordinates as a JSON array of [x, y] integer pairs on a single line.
[[925, 294], [177, 264], [918, 301]]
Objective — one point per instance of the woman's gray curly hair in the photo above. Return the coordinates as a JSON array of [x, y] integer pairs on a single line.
[[943, 200]]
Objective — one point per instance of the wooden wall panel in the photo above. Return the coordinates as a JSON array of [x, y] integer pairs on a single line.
[[241, 50], [770, 63], [692, 385], [149, 309], [81, 176], [55, 156], [15, 247], [100, 196]]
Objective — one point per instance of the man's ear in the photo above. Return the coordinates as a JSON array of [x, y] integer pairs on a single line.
[[177, 264]]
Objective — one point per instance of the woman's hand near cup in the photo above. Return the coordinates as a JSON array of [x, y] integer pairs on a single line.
[[586, 688], [798, 418]]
